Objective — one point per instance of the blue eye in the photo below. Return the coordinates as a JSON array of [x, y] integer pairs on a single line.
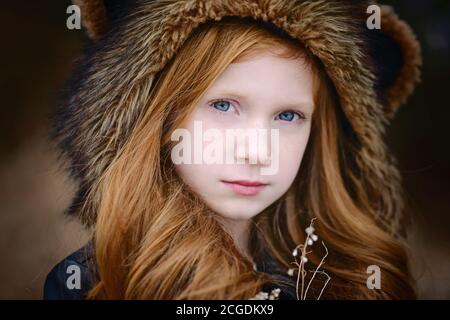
[[288, 115], [221, 105]]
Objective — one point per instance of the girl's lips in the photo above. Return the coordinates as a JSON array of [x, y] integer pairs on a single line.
[[246, 188]]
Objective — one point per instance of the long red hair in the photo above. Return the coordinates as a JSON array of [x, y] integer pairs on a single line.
[[154, 239]]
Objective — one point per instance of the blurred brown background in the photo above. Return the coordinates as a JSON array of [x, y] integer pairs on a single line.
[[36, 57]]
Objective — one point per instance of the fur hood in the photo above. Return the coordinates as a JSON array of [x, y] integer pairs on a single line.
[[374, 72]]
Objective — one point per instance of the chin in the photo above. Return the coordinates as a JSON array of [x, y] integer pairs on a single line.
[[239, 213]]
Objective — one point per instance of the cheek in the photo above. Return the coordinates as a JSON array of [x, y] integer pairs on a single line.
[[292, 149], [200, 177], [197, 176]]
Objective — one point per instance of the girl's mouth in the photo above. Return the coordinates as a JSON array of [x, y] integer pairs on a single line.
[[245, 187]]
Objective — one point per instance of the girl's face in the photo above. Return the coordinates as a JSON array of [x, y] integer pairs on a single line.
[[264, 92]]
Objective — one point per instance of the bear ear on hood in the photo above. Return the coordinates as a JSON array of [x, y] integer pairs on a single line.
[[397, 58], [93, 17], [98, 15]]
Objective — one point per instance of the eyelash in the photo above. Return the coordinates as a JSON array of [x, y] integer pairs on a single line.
[[212, 103]]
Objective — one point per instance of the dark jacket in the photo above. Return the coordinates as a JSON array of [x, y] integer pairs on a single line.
[[59, 284]]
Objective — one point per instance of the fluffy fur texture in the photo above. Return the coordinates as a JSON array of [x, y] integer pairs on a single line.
[[114, 77]]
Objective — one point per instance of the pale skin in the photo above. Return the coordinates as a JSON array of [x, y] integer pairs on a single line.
[[264, 91]]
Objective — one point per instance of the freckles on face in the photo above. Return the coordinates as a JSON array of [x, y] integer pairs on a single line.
[[263, 92]]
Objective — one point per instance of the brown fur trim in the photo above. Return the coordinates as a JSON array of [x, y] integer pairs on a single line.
[[93, 17], [409, 74]]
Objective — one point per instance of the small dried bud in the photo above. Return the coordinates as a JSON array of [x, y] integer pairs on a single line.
[[309, 230]]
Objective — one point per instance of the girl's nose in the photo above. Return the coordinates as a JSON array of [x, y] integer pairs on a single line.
[[253, 147]]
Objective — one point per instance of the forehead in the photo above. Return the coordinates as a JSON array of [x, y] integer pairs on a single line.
[[267, 75]]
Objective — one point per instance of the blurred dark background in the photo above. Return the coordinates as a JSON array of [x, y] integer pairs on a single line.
[[36, 57]]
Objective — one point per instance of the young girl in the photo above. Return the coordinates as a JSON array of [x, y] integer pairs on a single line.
[[328, 214]]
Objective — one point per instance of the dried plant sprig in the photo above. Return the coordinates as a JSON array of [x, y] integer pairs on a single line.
[[311, 238], [301, 275], [274, 294]]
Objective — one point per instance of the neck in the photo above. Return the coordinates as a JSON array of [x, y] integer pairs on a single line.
[[239, 231]]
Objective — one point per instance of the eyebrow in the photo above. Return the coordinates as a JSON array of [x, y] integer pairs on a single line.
[[240, 96]]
